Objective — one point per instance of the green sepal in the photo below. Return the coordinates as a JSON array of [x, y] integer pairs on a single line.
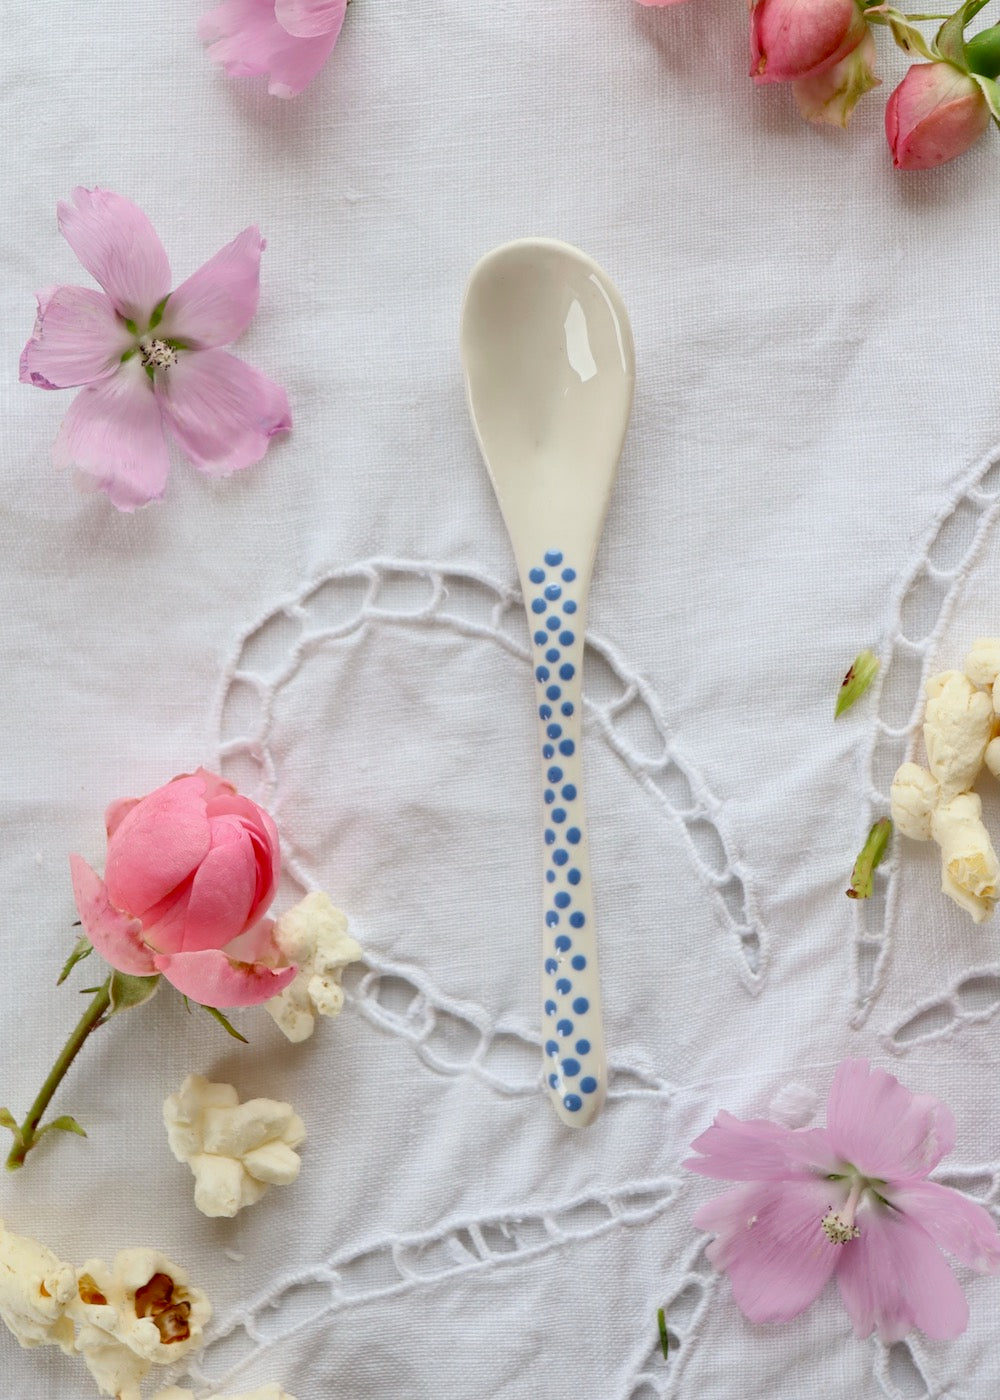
[[217, 1015], [862, 672], [131, 327], [905, 33], [869, 857], [83, 949], [158, 310], [661, 1323], [991, 91], [65, 1124], [7, 1120], [950, 41], [982, 53], [127, 991]]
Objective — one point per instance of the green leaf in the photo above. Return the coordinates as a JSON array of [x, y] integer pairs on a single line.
[[860, 676], [661, 1322], [65, 1124], [869, 857], [991, 91], [128, 991], [7, 1120], [217, 1015], [83, 949]]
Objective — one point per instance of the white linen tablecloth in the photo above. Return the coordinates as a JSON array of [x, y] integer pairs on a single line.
[[817, 407]]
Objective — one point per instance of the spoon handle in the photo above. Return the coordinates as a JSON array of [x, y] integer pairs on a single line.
[[555, 600]]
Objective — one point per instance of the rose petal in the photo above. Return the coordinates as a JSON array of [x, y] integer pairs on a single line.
[[893, 1278], [248, 40], [881, 1128], [211, 978], [755, 1150], [772, 1245], [113, 432], [257, 945], [157, 845], [953, 1222], [223, 890], [78, 338], [114, 935], [118, 246], [118, 810], [222, 413], [217, 303], [309, 18]]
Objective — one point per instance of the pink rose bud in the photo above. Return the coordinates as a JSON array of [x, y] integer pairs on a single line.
[[792, 39], [189, 874], [832, 95], [935, 114]]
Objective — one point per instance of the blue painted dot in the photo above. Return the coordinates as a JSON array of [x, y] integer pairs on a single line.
[[563, 943], [560, 857], [573, 836], [551, 965], [555, 774], [550, 875], [571, 1068], [589, 1084], [553, 692], [569, 792], [580, 1005], [582, 1047], [567, 746], [558, 815], [569, 605], [554, 1081], [538, 605], [566, 638], [553, 653], [552, 1048], [554, 730], [550, 1008], [542, 673], [573, 876], [553, 592], [549, 795], [572, 1102], [569, 575], [563, 986], [562, 900], [537, 575], [564, 1027], [579, 962], [553, 556], [551, 918], [548, 750], [567, 707], [553, 624], [577, 920], [545, 711], [550, 838], [567, 671], [541, 638]]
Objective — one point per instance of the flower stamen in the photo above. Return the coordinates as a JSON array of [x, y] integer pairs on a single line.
[[839, 1226], [156, 353]]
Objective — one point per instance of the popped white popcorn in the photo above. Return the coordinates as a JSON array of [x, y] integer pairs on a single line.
[[314, 935], [236, 1151], [915, 794], [35, 1287], [273, 1391], [958, 724], [139, 1313], [982, 665], [969, 866]]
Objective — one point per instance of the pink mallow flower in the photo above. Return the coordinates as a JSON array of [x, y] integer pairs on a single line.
[[792, 39], [190, 871], [850, 1199], [935, 114], [150, 360], [289, 40]]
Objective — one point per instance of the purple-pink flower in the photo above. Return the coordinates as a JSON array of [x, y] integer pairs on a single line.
[[150, 360], [289, 40], [851, 1199]]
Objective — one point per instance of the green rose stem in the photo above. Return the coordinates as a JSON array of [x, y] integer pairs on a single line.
[[28, 1134]]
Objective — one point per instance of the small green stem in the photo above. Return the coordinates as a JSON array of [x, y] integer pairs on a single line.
[[27, 1135]]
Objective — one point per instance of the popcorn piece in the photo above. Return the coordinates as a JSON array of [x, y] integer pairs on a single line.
[[35, 1287], [982, 665], [970, 872], [137, 1314], [236, 1151], [915, 794], [273, 1391], [958, 724], [313, 935], [992, 757]]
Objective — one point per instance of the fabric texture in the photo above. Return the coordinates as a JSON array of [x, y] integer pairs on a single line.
[[810, 470]]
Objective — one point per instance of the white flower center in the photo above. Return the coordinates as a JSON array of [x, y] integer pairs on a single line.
[[838, 1225], [156, 353]]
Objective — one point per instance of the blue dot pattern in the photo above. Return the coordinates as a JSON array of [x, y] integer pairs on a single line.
[[559, 643]]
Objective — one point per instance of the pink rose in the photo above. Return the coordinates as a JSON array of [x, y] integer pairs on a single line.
[[189, 874], [935, 114], [792, 39], [289, 40]]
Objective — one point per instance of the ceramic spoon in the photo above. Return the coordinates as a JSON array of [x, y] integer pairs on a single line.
[[549, 370]]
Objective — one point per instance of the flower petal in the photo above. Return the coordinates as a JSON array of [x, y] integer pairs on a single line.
[[246, 39], [309, 18], [222, 893], [113, 934], [222, 413], [881, 1128], [157, 845], [771, 1243], [893, 1278], [953, 1222], [78, 337], [212, 979], [217, 303], [118, 246], [113, 433], [755, 1150]]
